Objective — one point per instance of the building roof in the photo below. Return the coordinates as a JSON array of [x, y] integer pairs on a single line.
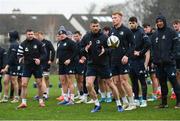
[[37, 22]]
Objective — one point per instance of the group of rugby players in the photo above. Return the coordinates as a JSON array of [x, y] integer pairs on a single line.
[[97, 67]]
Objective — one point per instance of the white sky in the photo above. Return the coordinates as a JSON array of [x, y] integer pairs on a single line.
[[66, 7]]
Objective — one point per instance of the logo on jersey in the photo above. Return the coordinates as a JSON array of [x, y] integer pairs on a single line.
[[26, 49], [64, 44], [35, 46], [121, 33], [157, 39], [140, 71], [163, 37], [98, 42], [125, 71], [173, 74]]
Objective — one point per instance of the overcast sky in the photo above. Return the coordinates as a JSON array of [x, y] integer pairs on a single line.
[[66, 7]]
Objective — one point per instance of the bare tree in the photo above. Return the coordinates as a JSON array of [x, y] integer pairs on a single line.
[[147, 10]]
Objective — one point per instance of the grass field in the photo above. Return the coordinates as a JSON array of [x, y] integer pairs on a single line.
[[52, 111]]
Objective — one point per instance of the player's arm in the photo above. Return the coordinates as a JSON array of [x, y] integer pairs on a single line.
[[131, 44], [146, 46], [52, 50], [43, 52]]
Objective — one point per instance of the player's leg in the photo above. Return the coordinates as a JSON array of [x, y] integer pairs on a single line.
[[102, 88], [6, 88], [25, 81], [16, 89]]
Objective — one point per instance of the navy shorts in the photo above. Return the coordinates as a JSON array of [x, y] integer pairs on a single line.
[[79, 69], [178, 64], [46, 67], [28, 71], [19, 69], [120, 69], [12, 71], [137, 67], [66, 69], [101, 72]]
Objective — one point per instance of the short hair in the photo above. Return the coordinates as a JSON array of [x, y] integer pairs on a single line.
[[29, 30], [94, 21], [133, 19], [146, 25], [77, 32], [107, 28], [177, 21], [40, 32], [117, 12]]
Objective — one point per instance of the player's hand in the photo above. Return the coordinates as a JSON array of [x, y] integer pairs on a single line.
[[37, 61], [57, 61], [124, 60], [136, 53], [88, 46], [67, 62], [4, 70], [49, 62], [82, 60], [102, 51], [146, 66]]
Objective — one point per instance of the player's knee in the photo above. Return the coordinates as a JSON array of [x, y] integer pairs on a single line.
[[88, 84], [63, 82], [24, 85], [46, 77], [39, 83], [6, 82]]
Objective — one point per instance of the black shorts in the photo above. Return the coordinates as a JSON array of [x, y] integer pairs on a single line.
[[137, 67], [79, 69], [120, 69], [66, 69], [178, 64], [12, 71], [19, 69], [101, 72], [46, 67], [28, 71]]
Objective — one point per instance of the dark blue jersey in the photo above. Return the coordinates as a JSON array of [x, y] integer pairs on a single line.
[[49, 50], [178, 46], [31, 49], [66, 49], [50, 53], [163, 46], [2, 57], [142, 42], [12, 59], [126, 46], [98, 40]]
